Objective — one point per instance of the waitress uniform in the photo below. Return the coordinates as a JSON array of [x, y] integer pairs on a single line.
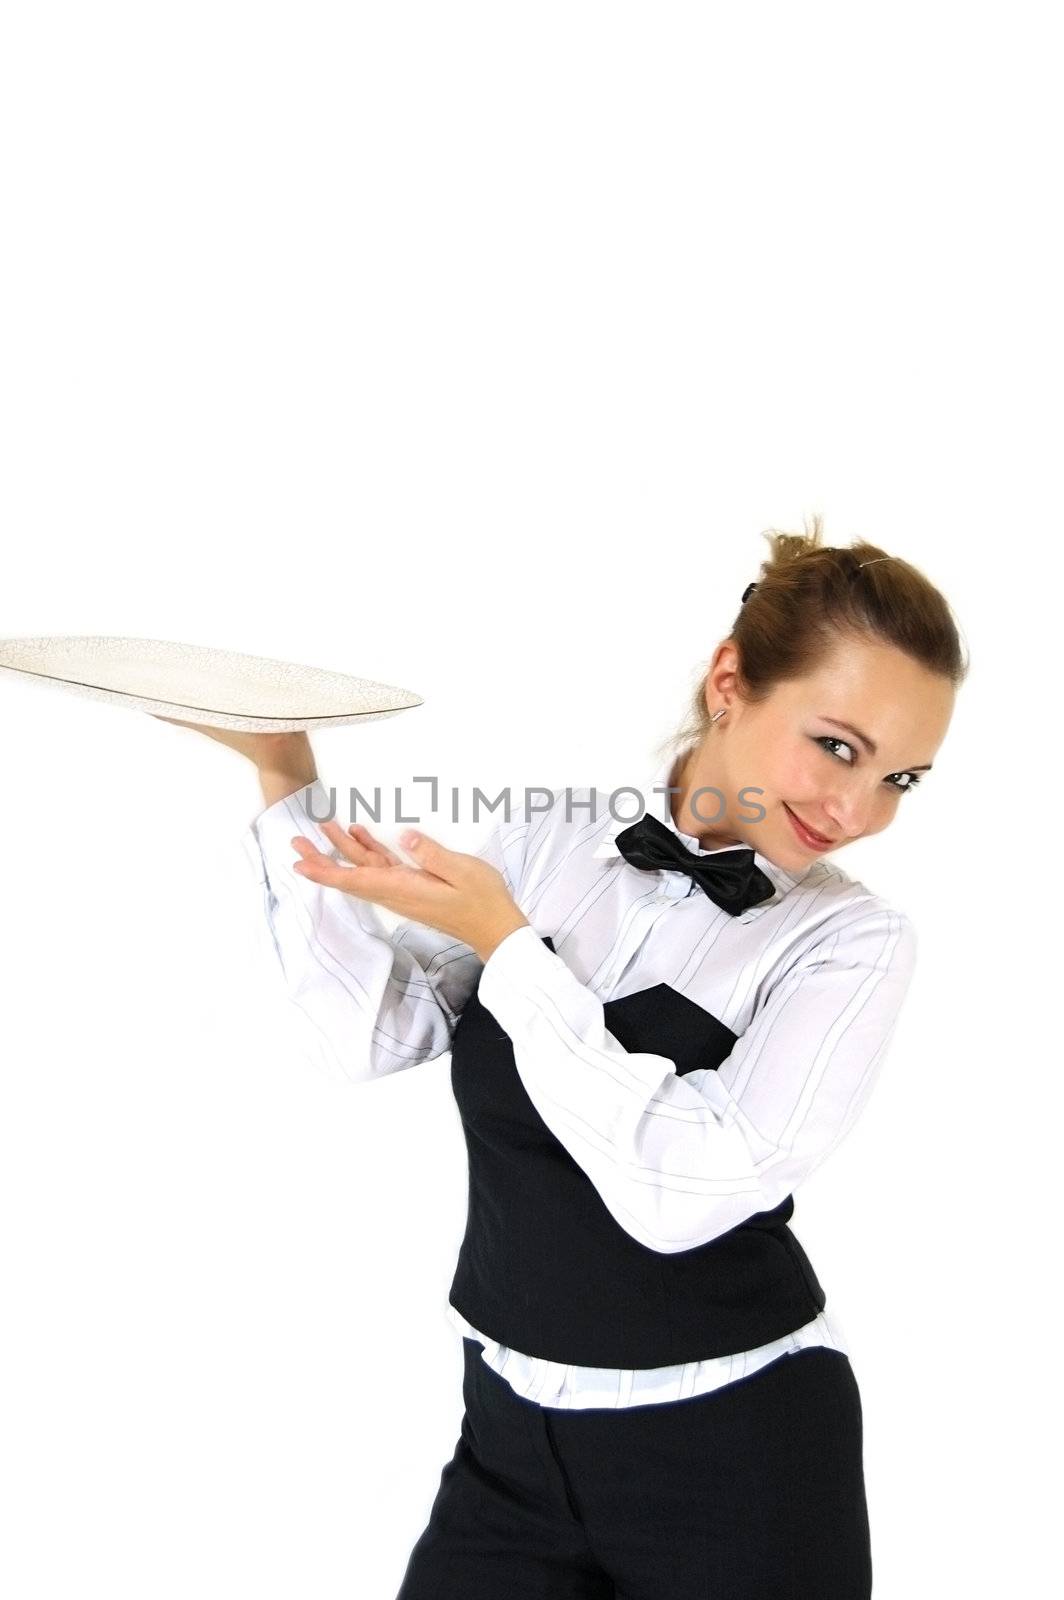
[[656, 1401]]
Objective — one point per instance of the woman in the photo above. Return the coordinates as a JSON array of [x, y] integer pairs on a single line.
[[657, 1031]]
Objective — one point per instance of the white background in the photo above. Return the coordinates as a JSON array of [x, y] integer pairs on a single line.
[[470, 348]]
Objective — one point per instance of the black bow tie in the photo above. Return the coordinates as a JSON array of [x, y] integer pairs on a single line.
[[729, 877]]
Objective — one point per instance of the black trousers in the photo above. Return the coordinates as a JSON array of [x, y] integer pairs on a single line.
[[751, 1492]]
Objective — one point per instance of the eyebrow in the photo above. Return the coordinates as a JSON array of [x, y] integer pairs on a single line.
[[870, 744]]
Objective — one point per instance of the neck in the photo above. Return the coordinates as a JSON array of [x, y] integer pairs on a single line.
[[689, 774]]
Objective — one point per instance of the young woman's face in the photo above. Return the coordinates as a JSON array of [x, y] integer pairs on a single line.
[[797, 759]]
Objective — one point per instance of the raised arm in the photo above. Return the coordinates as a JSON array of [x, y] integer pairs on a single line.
[[373, 1001], [370, 1002]]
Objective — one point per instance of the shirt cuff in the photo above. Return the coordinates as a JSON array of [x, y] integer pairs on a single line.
[[275, 828], [542, 1005], [521, 956]]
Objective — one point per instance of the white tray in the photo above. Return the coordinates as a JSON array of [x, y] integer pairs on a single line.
[[222, 688]]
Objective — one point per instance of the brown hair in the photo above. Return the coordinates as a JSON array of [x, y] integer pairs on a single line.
[[806, 597]]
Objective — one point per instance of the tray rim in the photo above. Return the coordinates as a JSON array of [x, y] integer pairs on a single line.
[[248, 721]]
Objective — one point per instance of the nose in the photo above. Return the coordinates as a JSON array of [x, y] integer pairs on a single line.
[[851, 814]]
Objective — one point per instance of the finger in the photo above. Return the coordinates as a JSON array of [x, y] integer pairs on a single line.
[[348, 847], [358, 854], [307, 848], [354, 855], [363, 837], [387, 886], [352, 879], [433, 856], [358, 845]]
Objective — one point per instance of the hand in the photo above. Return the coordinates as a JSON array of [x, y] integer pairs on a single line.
[[271, 752], [458, 894]]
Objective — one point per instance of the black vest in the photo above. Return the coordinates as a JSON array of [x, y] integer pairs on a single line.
[[546, 1269]]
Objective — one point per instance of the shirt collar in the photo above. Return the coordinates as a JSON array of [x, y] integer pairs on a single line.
[[658, 803]]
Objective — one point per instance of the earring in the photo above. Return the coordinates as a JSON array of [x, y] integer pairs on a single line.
[[722, 712]]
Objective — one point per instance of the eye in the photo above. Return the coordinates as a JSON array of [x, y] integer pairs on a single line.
[[828, 739]]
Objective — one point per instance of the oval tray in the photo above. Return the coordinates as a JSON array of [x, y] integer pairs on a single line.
[[223, 688]]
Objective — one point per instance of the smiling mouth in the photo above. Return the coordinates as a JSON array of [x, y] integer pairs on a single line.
[[819, 837]]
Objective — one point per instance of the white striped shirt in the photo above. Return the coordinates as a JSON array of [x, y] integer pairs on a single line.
[[811, 981]]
